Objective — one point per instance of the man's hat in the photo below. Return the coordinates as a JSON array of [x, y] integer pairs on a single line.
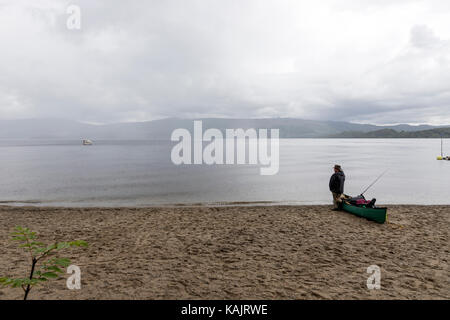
[[338, 167]]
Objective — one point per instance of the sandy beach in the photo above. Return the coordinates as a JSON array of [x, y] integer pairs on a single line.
[[237, 252]]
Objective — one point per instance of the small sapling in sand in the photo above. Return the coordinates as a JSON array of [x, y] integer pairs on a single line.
[[45, 262]]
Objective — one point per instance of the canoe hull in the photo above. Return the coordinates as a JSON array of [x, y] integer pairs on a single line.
[[374, 214]]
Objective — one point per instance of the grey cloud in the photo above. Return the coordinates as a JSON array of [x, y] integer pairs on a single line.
[[143, 60], [423, 37]]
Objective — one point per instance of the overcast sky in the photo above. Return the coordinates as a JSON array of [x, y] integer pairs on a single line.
[[383, 61]]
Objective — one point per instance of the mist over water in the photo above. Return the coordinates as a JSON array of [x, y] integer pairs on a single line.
[[140, 173]]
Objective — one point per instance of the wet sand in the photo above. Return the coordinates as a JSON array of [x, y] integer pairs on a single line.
[[250, 252]]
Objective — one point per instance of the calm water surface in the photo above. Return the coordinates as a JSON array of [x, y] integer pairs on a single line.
[[129, 173]]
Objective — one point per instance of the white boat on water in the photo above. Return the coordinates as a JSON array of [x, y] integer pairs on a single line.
[[87, 142]]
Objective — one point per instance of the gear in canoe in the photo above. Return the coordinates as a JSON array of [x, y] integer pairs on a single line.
[[361, 207]]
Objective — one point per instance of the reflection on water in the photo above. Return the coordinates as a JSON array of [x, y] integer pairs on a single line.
[[127, 173]]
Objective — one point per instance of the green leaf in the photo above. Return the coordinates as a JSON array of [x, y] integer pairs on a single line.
[[54, 268], [63, 262], [50, 275], [17, 282], [83, 243], [39, 250], [51, 247], [62, 245], [18, 238], [37, 243]]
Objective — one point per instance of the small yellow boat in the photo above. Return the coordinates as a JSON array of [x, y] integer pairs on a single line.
[[441, 157]]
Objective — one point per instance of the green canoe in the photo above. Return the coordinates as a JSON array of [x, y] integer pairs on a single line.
[[375, 214]]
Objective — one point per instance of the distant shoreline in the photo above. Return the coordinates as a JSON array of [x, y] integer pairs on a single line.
[[168, 140], [237, 204], [162, 129]]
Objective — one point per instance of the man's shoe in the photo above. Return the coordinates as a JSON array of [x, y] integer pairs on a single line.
[[335, 209]]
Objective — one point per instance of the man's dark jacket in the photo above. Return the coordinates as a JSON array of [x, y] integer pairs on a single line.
[[337, 182]]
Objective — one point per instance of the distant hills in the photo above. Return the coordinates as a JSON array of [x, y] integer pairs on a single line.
[[391, 133], [162, 129]]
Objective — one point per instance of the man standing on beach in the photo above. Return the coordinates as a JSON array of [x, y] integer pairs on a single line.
[[337, 186]]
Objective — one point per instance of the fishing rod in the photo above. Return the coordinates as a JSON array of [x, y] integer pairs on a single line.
[[379, 177]]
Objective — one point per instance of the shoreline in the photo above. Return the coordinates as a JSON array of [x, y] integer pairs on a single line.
[[236, 252], [37, 204]]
